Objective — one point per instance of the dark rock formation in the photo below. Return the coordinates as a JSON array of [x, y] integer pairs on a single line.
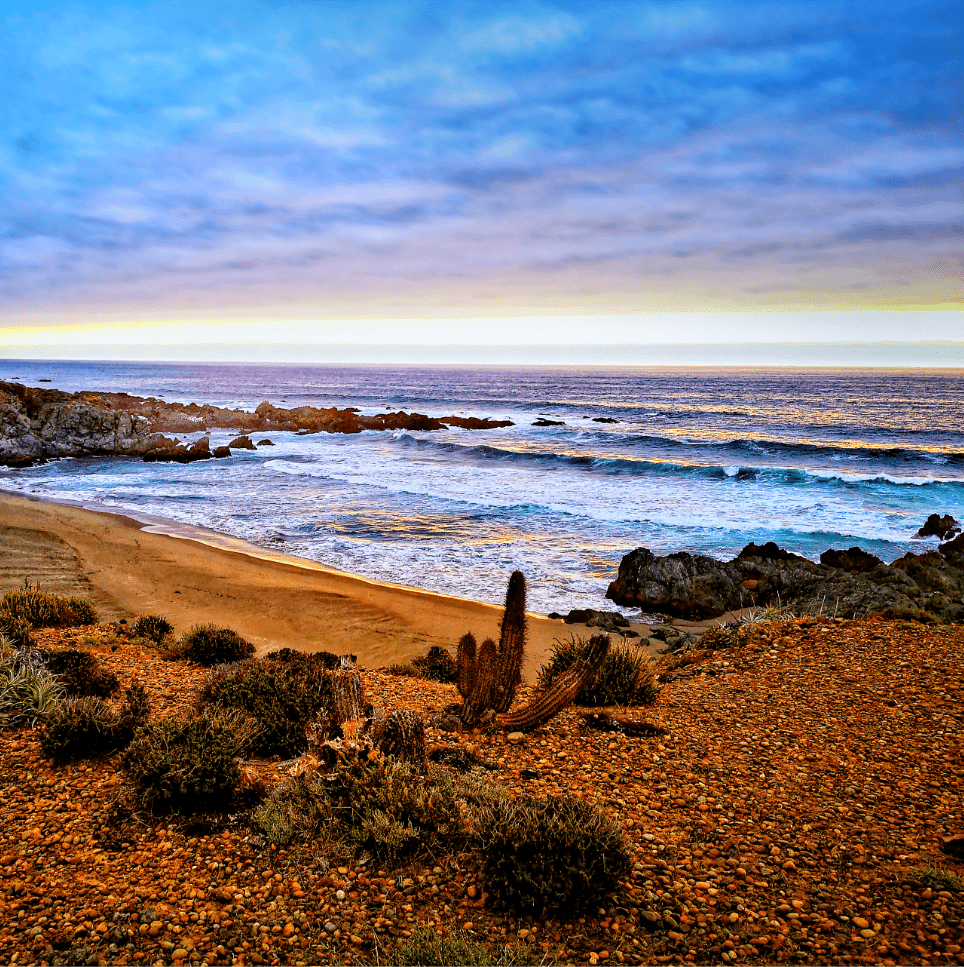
[[922, 587], [265, 443], [937, 526], [221, 452], [542, 421], [38, 424], [684, 585], [604, 419], [164, 450], [856, 560], [241, 443]]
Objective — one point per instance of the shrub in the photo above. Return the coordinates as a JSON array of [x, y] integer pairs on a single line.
[[380, 805], [81, 728], [283, 697], [188, 766], [626, 677], [400, 670], [28, 691], [81, 673], [524, 841], [152, 627], [437, 665], [425, 948], [44, 610], [16, 630], [211, 645], [296, 811], [939, 879], [319, 659]]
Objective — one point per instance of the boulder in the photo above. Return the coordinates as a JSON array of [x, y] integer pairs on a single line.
[[241, 443], [681, 584], [769, 551], [221, 452], [542, 421], [606, 620], [856, 560], [941, 527], [265, 443]]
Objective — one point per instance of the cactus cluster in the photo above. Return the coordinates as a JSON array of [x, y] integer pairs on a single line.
[[489, 676], [354, 729]]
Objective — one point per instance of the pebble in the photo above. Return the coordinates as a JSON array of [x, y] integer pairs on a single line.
[[740, 827]]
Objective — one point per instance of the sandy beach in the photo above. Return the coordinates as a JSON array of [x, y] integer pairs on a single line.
[[127, 569]]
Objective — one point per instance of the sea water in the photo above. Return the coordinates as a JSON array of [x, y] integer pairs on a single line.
[[703, 460]]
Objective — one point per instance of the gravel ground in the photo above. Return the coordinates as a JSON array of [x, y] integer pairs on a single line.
[[790, 813]]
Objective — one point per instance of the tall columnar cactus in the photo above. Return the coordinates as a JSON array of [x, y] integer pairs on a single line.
[[563, 691], [482, 697], [488, 677], [512, 643], [465, 660]]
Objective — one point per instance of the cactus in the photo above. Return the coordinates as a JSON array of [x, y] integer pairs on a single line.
[[465, 660], [512, 643], [482, 697], [488, 678], [545, 705], [400, 734]]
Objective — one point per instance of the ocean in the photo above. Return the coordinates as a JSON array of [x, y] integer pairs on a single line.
[[696, 459]]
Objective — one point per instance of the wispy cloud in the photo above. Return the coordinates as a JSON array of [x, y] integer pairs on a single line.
[[193, 157]]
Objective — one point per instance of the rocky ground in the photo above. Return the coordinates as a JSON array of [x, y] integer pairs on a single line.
[[793, 812]]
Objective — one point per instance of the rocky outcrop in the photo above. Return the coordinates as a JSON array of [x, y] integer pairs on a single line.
[[242, 443], [856, 560], [923, 587], [683, 585], [940, 527], [39, 424]]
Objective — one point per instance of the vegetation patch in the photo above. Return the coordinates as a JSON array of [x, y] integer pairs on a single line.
[[188, 766], [437, 665], [425, 948], [152, 627], [523, 841], [282, 696], [81, 673], [28, 690], [40, 609], [627, 677], [211, 645]]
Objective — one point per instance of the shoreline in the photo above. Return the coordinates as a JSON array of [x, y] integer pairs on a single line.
[[140, 564]]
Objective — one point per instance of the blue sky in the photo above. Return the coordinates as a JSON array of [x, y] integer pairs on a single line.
[[328, 164]]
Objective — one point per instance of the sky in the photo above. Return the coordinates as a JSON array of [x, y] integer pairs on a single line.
[[293, 180]]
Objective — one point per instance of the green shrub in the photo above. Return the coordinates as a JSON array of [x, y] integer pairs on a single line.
[[283, 697], [44, 610], [319, 659], [28, 691], [425, 948], [401, 670], [211, 645], [939, 879], [152, 627], [437, 665], [16, 630], [296, 811], [389, 809], [626, 677], [81, 673], [555, 854], [188, 766], [81, 728], [382, 806]]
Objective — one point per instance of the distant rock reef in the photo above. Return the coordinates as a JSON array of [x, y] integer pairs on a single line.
[[41, 424], [923, 587]]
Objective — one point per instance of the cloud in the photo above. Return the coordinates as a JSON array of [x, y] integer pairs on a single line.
[[244, 146]]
